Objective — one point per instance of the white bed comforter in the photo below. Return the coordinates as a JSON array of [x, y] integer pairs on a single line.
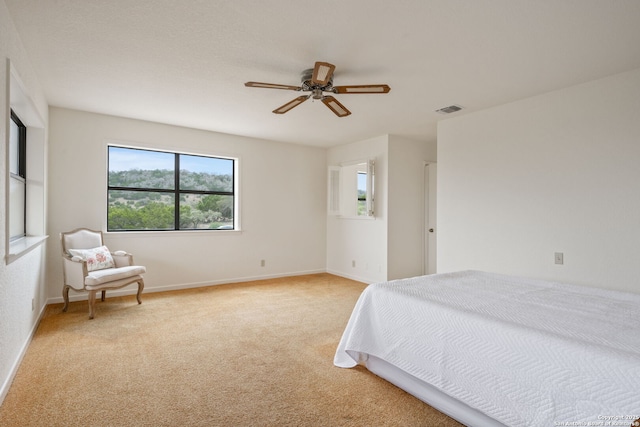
[[525, 352]]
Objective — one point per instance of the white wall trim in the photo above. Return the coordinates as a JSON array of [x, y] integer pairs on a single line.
[[82, 296], [352, 277]]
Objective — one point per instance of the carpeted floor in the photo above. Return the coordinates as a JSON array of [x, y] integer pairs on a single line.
[[250, 354]]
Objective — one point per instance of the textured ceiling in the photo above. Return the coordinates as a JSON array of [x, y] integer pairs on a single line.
[[185, 62]]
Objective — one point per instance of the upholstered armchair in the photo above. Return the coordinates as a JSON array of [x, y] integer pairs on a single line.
[[90, 267]]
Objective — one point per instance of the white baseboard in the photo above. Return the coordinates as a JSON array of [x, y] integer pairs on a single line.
[[133, 288], [351, 276], [23, 350]]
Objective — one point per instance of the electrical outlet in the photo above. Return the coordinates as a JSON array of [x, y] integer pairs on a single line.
[[353, 263], [33, 304], [262, 263], [559, 258]]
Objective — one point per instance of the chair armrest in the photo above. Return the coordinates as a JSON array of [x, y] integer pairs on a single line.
[[74, 272], [122, 259]]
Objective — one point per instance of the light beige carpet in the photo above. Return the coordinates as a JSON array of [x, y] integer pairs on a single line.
[[250, 354]]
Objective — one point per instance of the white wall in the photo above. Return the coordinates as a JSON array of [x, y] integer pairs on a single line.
[[22, 280], [406, 205], [282, 196], [361, 240], [559, 172]]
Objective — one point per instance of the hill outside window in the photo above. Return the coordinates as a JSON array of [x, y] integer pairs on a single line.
[[161, 191]]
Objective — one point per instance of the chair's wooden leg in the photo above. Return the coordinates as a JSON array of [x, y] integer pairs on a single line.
[[140, 288], [103, 294], [92, 304], [65, 297]]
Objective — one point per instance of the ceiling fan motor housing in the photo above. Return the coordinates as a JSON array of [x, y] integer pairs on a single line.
[[308, 86]]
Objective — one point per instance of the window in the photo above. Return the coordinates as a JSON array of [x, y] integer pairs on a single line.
[[25, 171], [362, 193], [158, 190], [18, 177], [351, 190]]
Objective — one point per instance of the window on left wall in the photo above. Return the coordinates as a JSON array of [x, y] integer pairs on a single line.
[[17, 177], [25, 171]]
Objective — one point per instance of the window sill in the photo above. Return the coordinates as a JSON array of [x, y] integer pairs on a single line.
[[23, 246], [360, 217], [171, 233]]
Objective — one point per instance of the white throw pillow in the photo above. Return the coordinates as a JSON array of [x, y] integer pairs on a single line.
[[97, 258]]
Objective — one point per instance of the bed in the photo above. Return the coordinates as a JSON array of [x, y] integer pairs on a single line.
[[497, 350]]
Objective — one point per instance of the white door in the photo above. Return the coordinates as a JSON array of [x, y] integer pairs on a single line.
[[430, 218]]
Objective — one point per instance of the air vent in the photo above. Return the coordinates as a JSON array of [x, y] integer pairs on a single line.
[[450, 109]]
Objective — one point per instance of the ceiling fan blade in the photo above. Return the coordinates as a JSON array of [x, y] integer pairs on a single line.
[[271, 86], [333, 104], [362, 89], [322, 73], [291, 104]]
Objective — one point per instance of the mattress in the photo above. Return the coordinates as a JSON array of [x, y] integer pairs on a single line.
[[521, 351]]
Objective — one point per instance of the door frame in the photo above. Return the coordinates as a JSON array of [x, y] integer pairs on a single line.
[[429, 218]]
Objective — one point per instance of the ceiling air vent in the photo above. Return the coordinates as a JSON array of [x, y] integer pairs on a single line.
[[450, 109]]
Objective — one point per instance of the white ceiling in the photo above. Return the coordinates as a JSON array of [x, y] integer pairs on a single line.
[[185, 62]]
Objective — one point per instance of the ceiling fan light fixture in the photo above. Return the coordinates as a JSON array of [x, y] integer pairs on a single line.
[[291, 104]]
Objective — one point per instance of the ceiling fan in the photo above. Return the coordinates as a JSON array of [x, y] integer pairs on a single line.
[[319, 80]]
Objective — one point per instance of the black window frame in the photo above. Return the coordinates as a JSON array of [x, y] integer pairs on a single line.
[[22, 169], [176, 191]]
